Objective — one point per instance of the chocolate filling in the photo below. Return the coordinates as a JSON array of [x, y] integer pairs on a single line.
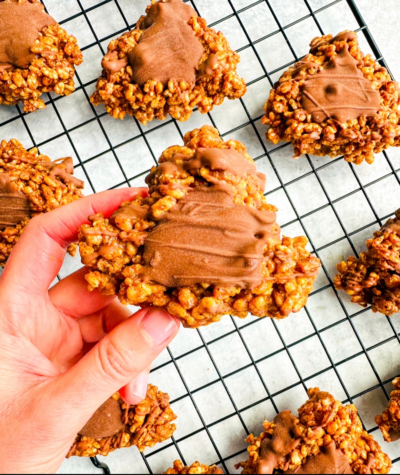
[[20, 24], [339, 90]]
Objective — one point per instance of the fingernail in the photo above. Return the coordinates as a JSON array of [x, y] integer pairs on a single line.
[[135, 391], [138, 387], [159, 324]]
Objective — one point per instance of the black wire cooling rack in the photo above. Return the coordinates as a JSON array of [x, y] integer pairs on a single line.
[[315, 170]]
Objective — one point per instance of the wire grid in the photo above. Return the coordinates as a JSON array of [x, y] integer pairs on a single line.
[[359, 377]]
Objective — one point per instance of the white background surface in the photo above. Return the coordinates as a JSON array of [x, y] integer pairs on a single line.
[[332, 343]]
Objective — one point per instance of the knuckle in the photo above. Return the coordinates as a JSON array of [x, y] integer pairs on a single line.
[[116, 363]]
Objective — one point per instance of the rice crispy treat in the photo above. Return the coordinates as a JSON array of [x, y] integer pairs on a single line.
[[389, 421], [335, 101], [36, 55], [31, 184], [374, 278], [204, 244], [195, 468], [116, 425], [325, 437], [169, 64]]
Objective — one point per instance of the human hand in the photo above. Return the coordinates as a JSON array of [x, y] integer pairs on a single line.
[[49, 387]]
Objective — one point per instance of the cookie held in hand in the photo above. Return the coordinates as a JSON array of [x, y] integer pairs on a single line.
[[204, 244], [116, 425]]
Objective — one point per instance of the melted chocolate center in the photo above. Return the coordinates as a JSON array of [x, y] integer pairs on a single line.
[[168, 48], [14, 205], [339, 90], [20, 24]]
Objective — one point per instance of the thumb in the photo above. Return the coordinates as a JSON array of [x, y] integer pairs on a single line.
[[121, 356]]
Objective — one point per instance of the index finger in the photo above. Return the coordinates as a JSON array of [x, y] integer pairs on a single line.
[[39, 254]]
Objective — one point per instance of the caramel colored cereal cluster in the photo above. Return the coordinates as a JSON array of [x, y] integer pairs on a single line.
[[114, 250], [155, 100], [40, 184], [373, 278], [195, 468], [389, 421], [321, 422], [145, 425], [358, 139], [52, 70]]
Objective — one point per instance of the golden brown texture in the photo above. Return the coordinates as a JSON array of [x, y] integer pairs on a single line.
[[146, 424], [31, 173], [195, 468], [373, 279], [154, 101], [360, 138], [288, 269], [52, 70], [389, 421], [320, 421]]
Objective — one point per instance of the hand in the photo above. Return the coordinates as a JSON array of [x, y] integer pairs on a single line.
[[49, 387]]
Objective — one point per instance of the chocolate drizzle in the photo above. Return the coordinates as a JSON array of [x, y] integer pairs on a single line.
[[64, 170], [329, 460], [14, 205], [168, 48], [20, 24], [284, 440], [339, 90]]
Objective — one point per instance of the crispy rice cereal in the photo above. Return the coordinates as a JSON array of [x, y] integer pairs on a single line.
[[373, 279], [153, 100], [146, 425], [357, 139], [195, 468], [320, 421], [52, 70], [389, 421], [41, 185], [114, 252]]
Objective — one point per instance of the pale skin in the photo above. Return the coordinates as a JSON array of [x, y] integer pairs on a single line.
[[65, 351]]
